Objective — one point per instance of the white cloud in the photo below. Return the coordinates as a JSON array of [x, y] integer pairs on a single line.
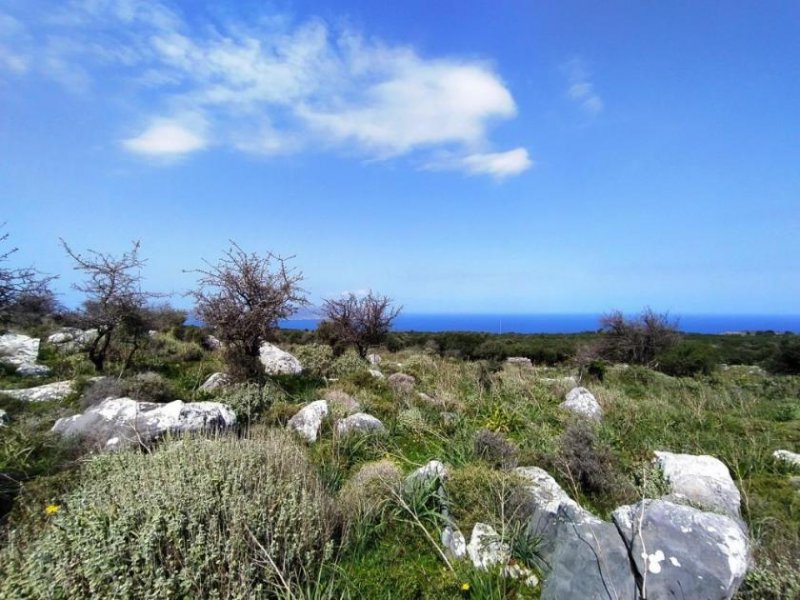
[[267, 87], [499, 164], [166, 139], [580, 90]]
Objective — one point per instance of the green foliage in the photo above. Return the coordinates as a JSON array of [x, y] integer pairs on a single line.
[[787, 357], [317, 359], [349, 364], [250, 401], [687, 359], [196, 518]]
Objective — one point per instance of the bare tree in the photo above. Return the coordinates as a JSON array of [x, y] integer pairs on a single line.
[[23, 290], [637, 340], [114, 303], [360, 322], [241, 298]]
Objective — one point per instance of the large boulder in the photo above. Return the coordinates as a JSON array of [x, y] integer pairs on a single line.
[[277, 361], [582, 402], [359, 423], [42, 393], [308, 420], [790, 458], [21, 352], [119, 422], [680, 551], [700, 480]]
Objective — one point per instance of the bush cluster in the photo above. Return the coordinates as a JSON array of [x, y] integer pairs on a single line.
[[204, 518]]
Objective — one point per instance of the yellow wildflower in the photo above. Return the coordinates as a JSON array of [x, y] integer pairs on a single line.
[[52, 509], [465, 587]]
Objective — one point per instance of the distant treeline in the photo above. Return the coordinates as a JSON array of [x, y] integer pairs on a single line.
[[777, 352]]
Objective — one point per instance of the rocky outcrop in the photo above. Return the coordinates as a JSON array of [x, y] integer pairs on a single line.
[[21, 352], [121, 422], [374, 359], [682, 552], [487, 550], [308, 420], [4, 419], [702, 481], [49, 392], [582, 402], [359, 423], [375, 373], [520, 361], [215, 381], [277, 361], [790, 458], [401, 383], [72, 339], [625, 559]]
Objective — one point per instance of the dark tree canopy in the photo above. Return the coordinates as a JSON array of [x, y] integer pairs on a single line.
[[359, 322], [241, 298], [637, 340], [114, 302]]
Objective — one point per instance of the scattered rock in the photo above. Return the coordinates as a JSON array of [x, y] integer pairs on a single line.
[[520, 361], [569, 381], [22, 352], [375, 373], [277, 361], [341, 403], [119, 422], [402, 383], [682, 552], [42, 393], [215, 381], [485, 549], [4, 418], [702, 481], [359, 423], [433, 470], [454, 543], [580, 401], [791, 458], [374, 359], [308, 420]]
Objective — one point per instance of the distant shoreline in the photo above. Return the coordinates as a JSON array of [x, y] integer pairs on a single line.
[[571, 323]]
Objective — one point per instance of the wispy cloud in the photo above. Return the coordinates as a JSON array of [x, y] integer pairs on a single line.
[[268, 87], [498, 165], [580, 89]]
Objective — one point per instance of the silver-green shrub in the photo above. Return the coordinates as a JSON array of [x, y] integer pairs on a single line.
[[316, 359], [197, 518], [348, 364]]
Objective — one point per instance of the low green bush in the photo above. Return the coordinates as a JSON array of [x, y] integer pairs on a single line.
[[688, 359], [316, 359], [225, 518]]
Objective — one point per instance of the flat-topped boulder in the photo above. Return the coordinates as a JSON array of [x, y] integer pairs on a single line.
[[308, 420], [702, 481], [49, 392], [277, 361], [120, 422], [582, 402], [72, 339]]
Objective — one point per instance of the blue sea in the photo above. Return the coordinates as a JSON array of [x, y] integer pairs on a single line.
[[571, 323]]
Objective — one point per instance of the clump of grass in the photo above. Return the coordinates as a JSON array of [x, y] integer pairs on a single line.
[[225, 518]]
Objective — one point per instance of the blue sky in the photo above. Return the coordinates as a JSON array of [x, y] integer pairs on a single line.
[[457, 156]]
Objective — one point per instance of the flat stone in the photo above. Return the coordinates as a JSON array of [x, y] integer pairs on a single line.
[[42, 393], [359, 423]]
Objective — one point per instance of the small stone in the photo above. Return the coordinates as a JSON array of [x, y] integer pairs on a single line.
[[308, 420], [359, 423], [214, 382], [582, 402], [277, 361], [790, 458], [402, 383]]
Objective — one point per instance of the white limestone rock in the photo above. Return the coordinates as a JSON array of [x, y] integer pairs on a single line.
[[277, 361], [4, 418], [701, 480], [120, 422], [308, 420], [215, 381], [359, 423], [375, 373], [22, 352], [485, 549], [374, 359], [454, 543], [582, 402], [402, 383], [42, 393], [790, 458]]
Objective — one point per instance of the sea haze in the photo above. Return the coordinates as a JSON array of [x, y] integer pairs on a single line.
[[571, 323]]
